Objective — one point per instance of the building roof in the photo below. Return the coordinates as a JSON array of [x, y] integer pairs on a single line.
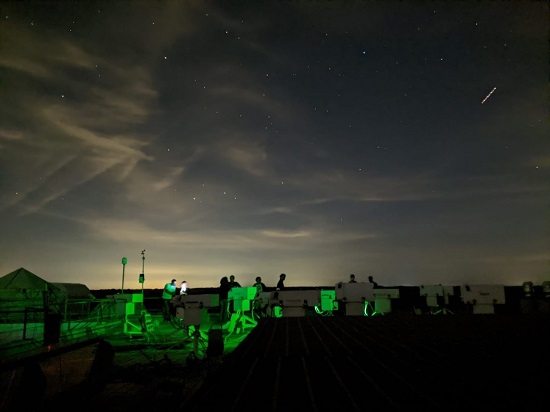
[[24, 279]]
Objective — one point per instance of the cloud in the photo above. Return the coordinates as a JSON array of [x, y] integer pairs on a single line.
[[203, 240], [80, 133], [174, 174], [249, 157], [10, 135], [45, 58], [281, 234]]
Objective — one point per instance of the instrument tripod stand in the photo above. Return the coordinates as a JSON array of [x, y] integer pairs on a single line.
[[191, 334], [370, 310], [238, 322], [199, 340], [442, 311]]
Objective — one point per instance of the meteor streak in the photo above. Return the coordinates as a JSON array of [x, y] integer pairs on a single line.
[[490, 93]]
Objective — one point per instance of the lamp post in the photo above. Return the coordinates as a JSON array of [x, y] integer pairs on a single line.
[[124, 261]]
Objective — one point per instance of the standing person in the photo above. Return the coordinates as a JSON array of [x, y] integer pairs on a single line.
[[260, 307], [374, 284], [223, 292], [259, 285], [183, 289], [233, 283], [281, 282], [352, 278], [372, 303], [167, 295]]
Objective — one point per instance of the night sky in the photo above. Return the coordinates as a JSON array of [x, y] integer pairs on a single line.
[[312, 138]]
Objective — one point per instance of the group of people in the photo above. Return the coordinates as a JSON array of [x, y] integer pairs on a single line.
[[226, 284], [374, 286], [168, 293], [370, 278]]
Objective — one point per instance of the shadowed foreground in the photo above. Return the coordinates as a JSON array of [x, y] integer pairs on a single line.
[[310, 363], [445, 362]]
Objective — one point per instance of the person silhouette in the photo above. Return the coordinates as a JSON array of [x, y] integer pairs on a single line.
[[260, 307], [372, 303], [352, 278], [223, 292], [233, 283], [259, 285], [374, 284], [281, 282]]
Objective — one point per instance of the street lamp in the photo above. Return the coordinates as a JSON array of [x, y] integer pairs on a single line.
[[124, 261]]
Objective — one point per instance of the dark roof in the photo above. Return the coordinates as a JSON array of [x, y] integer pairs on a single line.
[[74, 290], [24, 279], [437, 362]]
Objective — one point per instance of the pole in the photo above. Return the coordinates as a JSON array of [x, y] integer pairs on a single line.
[[142, 270], [124, 261]]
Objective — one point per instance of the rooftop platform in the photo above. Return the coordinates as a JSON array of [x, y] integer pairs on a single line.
[[314, 363], [309, 360], [444, 362]]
